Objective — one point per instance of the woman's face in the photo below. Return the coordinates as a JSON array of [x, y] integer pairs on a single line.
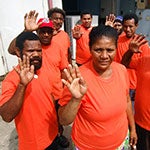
[[103, 52]]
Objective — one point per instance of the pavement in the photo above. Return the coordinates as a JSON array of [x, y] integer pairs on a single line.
[[9, 137]]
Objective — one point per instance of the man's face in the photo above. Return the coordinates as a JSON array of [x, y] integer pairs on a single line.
[[119, 27], [103, 52], [45, 34], [58, 20], [86, 20], [129, 28], [33, 49]]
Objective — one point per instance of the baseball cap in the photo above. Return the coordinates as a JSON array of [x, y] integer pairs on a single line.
[[119, 19], [45, 23]]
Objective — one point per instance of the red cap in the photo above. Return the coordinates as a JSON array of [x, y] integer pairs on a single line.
[[45, 23]]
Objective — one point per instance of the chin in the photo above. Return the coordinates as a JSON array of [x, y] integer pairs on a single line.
[[37, 67]]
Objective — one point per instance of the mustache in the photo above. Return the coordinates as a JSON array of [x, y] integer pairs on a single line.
[[35, 58]]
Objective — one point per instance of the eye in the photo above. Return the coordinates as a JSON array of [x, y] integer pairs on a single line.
[[98, 50], [31, 51], [110, 50]]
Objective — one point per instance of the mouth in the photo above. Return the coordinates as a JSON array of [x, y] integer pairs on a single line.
[[103, 62], [35, 61]]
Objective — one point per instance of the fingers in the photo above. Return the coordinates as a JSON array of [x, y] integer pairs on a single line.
[[76, 29], [20, 63], [133, 140], [32, 69], [65, 83], [17, 70], [25, 16], [24, 62], [140, 39], [67, 73], [72, 73], [77, 71], [136, 42], [31, 14], [111, 17]]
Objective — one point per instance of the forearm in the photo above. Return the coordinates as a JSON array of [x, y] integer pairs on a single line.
[[68, 112], [127, 58], [12, 107]]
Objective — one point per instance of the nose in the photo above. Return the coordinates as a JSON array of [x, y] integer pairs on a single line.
[[35, 53], [46, 34], [104, 54], [128, 28]]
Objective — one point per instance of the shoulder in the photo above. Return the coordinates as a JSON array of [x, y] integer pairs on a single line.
[[118, 67], [87, 69], [11, 80], [62, 32], [122, 38]]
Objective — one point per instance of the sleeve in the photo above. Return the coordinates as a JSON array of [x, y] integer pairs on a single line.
[[64, 60], [57, 90], [66, 96], [8, 89], [136, 58]]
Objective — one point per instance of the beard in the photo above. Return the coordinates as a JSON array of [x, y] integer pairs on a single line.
[[37, 62]]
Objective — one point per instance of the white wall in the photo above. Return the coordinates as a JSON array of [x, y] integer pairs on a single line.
[[144, 23], [56, 3], [12, 23]]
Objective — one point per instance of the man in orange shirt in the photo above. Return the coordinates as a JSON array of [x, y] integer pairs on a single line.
[[130, 24], [93, 101], [81, 34], [27, 96], [142, 97], [53, 54], [118, 24], [57, 15]]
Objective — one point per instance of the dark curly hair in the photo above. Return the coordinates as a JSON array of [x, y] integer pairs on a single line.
[[55, 10]]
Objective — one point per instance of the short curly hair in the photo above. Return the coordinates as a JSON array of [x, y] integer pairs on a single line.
[[56, 10]]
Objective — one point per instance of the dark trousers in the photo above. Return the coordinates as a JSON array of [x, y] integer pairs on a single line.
[[143, 142], [54, 145], [132, 94]]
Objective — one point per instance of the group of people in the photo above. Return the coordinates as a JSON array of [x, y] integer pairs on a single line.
[[45, 91]]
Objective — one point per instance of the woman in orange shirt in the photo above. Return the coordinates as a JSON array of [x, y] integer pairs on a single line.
[[99, 105]]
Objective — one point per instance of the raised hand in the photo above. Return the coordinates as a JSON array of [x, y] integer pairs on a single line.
[[110, 20], [26, 72], [136, 42], [76, 31], [75, 82], [30, 21]]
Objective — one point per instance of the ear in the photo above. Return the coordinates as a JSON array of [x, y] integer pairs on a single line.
[[136, 25]]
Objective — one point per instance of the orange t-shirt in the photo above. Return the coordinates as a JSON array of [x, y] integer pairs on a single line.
[[101, 122], [82, 46], [36, 122], [142, 97], [123, 46], [53, 55], [63, 40]]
